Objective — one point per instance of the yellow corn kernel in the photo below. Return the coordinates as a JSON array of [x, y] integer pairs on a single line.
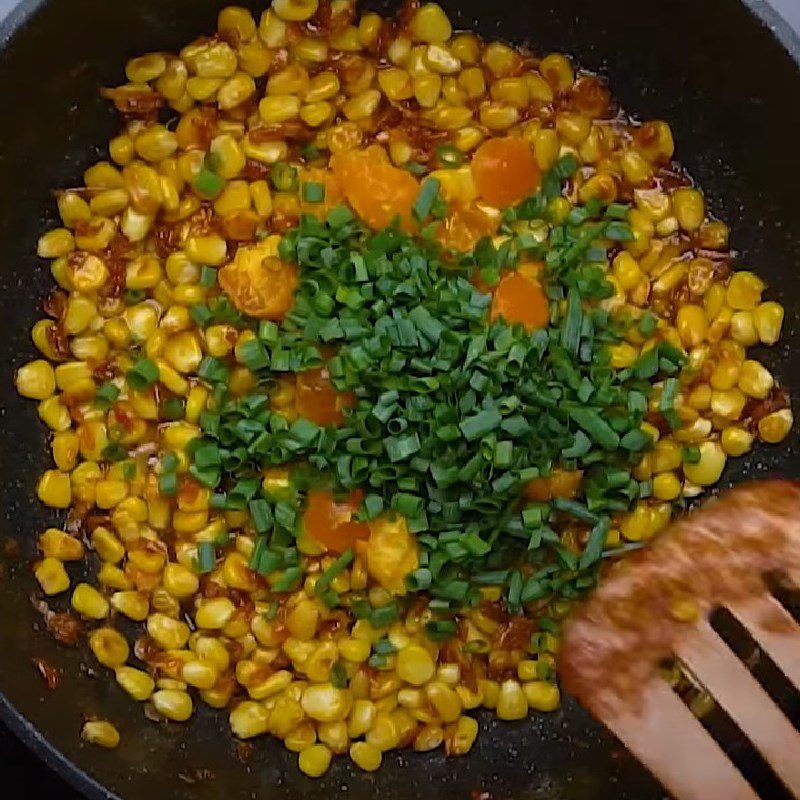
[[384, 733], [708, 469], [110, 492], [546, 147], [775, 427], [155, 143], [55, 543], [692, 325], [427, 89], [354, 650], [51, 576], [214, 614], [429, 737], [728, 404], [279, 108], [635, 168], [396, 83], [325, 703], [366, 756], [145, 68], [138, 684], [557, 71], [333, 735], [88, 602], [177, 435], [54, 414], [415, 665], [666, 486], [109, 647], [302, 620], [573, 127], [744, 291], [736, 441], [169, 633], [180, 581], [131, 604], [498, 116], [511, 702], [39, 336], [235, 91], [100, 733], [54, 489], [234, 197], [444, 701], [249, 719], [626, 270], [35, 380], [173, 704], [755, 379], [513, 91], [210, 250], [439, 58], [107, 545], [121, 150], [768, 319], [72, 209], [183, 352], [200, 674], [725, 375], [55, 243], [542, 695], [743, 328], [316, 114], [430, 24], [690, 208], [314, 760]]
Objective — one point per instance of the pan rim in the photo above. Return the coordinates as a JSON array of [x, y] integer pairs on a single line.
[[27, 733]]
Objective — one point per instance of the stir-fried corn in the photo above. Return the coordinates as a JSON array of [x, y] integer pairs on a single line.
[[184, 204]]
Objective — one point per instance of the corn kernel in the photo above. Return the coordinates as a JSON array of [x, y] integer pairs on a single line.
[[173, 704], [708, 469], [542, 695], [768, 319], [139, 685], [100, 733], [775, 427], [744, 291], [54, 489], [51, 576], [35, 380], [109, 647], [689, 207], [736, 441], [88, 602]]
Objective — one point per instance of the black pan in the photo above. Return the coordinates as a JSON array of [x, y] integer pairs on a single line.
[[725, 75]]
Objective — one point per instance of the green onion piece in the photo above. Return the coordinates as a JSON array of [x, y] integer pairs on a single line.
[[133, 296], [283, 177], [142, 374], [449, 157], [596, 427], [171, 409], [691, 454], [271, 610], [380, 617], [338, 675], [289, 580], [313, 192], [206, 557], [106, 395], [261, 515], [208, 183], [383, 647], [594, 546], [428, 193], [323, 583], [415, 168], [168, 484], [129, 470], [439, 630], [114, 451], [208, 277], [481, 424]]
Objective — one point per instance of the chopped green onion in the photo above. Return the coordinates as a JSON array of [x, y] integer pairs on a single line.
[[313, 192]]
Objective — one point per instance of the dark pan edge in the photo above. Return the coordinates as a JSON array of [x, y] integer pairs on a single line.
[[52, 757], [22, 14], [779, 27]]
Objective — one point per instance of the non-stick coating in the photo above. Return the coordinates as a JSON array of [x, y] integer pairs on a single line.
[[731, 92]]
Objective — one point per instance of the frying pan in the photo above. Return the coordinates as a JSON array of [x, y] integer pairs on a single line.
[[726, 77]]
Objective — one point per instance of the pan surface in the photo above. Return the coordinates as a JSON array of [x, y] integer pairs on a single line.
[[727, 83]]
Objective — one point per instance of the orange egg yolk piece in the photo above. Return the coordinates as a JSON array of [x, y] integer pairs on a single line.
[[317, 399], [463, 227], [505, 171], [332, 522], [520, 300], [377, 190], [259, 284]]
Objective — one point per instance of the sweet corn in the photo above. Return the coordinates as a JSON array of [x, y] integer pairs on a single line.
[[132, 604], [689, 207], [755, 380], [768, 319], [430, 24], [744, 291], [139, 685], [511, 702], [249, 719], [35, 380], [775, 427], [54, 489], [51, 576], [314, 760], [415, 665], [366, 756], [326, 703], [736, 441], [169, 633], [109, 647], [542, 695], [88, 602], [100, 733], [173, 704], [709, 468]]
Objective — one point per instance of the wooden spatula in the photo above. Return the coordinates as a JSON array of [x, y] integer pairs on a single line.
[[655, 605]]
